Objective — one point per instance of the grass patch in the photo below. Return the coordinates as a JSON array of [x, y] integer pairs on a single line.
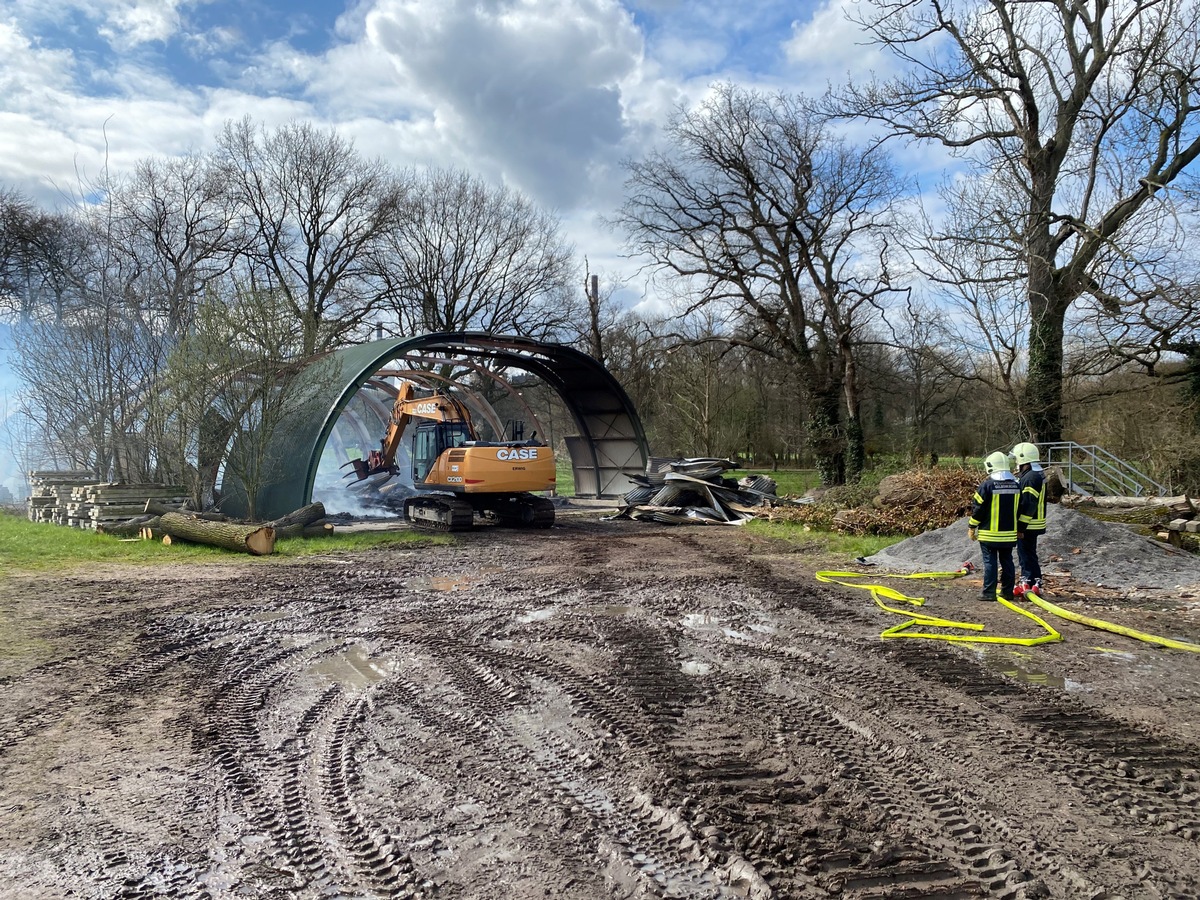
[[788, 482], [39, 547], [850, 545], [564, 475], [294, 548]]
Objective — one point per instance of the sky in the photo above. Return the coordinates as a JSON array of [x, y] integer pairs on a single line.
[[547, 97], [544, 96]]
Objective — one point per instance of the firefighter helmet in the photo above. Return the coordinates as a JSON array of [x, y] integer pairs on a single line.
[[1025, 453], [997, 462]]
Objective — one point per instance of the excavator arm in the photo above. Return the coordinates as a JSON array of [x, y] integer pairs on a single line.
[[438, 408]]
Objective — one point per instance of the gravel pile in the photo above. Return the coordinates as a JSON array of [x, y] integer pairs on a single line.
[[1075, 544]]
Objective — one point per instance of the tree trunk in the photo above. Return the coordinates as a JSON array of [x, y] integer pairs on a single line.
[[257, 540], [295, 524], [157, 508], [856, 456], [825, 438], [131, 528], [1042, 397], [856, 451]]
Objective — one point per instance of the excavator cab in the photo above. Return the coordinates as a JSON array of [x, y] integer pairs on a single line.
[[431, 440]]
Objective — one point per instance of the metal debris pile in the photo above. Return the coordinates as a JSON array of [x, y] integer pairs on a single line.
[[695, 492]]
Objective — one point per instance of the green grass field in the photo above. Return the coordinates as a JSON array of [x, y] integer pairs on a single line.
[[36, 546], [849, 545]]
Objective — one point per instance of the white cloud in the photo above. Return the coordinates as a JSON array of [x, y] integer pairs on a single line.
[[533, 89], [128, 23], [831, 45], [546, 96]]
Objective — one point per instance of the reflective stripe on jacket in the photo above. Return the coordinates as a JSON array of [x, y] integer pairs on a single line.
[[1031, 513], [995, 511]]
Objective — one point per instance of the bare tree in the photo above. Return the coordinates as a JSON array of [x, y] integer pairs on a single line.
[[768, 215], [176, 219], [604, 314], [315, 211], [926, 365], [469, 257], [41, 257], [1078, 113], [228, 390], [85, 383]]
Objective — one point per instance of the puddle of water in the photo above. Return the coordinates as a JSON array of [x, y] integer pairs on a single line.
[[536, 615], [1019, 666], [695, 667], [709, 622], [352, 668], [450, 582], [612, 610]]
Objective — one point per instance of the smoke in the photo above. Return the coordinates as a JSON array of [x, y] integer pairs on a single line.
[[379, 496]]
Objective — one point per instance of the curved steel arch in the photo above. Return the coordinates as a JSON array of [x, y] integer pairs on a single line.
[[609, 449]]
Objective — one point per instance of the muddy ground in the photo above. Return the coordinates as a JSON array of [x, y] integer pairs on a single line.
[[604, 710]]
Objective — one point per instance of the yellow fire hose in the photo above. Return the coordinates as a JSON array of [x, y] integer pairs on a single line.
[[880, 593], [1109, 626]]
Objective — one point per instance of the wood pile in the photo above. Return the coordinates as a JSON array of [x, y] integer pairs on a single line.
[[158, 512], [1167, 518], [50, 492], [97, 505], [76, 499], [694, 491]]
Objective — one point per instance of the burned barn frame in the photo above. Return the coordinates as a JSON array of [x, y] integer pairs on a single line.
[[607, 452]]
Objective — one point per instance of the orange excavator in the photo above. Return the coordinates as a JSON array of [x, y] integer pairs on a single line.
[[454, 474]]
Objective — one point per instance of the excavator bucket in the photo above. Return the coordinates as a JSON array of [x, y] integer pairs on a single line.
[[361, 469]]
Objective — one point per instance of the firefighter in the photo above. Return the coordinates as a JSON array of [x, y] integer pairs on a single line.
[[1031, 516], [993, 523]]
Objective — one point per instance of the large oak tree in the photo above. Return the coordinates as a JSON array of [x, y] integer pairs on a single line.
[[1075, 117], [769, 216]]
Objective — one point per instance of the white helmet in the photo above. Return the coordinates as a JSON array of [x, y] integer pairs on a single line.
[[997, 462], [1025, 453]]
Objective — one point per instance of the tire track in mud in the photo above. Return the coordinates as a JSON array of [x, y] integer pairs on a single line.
[[1169, 801], [570, 773], [587, 730], [991, 859]]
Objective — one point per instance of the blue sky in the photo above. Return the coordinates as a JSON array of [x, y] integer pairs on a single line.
[[546, 96]]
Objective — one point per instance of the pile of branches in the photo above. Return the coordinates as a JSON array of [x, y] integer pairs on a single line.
[[907, 503]]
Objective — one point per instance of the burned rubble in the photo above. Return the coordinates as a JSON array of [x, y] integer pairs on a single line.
[[694, 491]]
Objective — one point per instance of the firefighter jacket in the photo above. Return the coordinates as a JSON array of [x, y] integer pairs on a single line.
[[1031, 513], [995, 510]]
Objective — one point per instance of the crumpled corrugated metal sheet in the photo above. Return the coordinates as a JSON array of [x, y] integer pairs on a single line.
[[695, 491]]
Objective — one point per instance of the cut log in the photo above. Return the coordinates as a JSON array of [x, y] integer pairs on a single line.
[[158, 508], [323, 529], [257, 540], [305, 515], [131, 528]]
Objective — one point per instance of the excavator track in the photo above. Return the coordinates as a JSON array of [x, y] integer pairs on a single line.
[[438, 513], [524, 511]]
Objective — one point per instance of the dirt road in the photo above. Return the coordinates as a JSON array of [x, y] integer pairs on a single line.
[[605, 710]]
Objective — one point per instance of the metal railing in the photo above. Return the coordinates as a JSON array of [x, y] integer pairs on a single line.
[[1088, 469]]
